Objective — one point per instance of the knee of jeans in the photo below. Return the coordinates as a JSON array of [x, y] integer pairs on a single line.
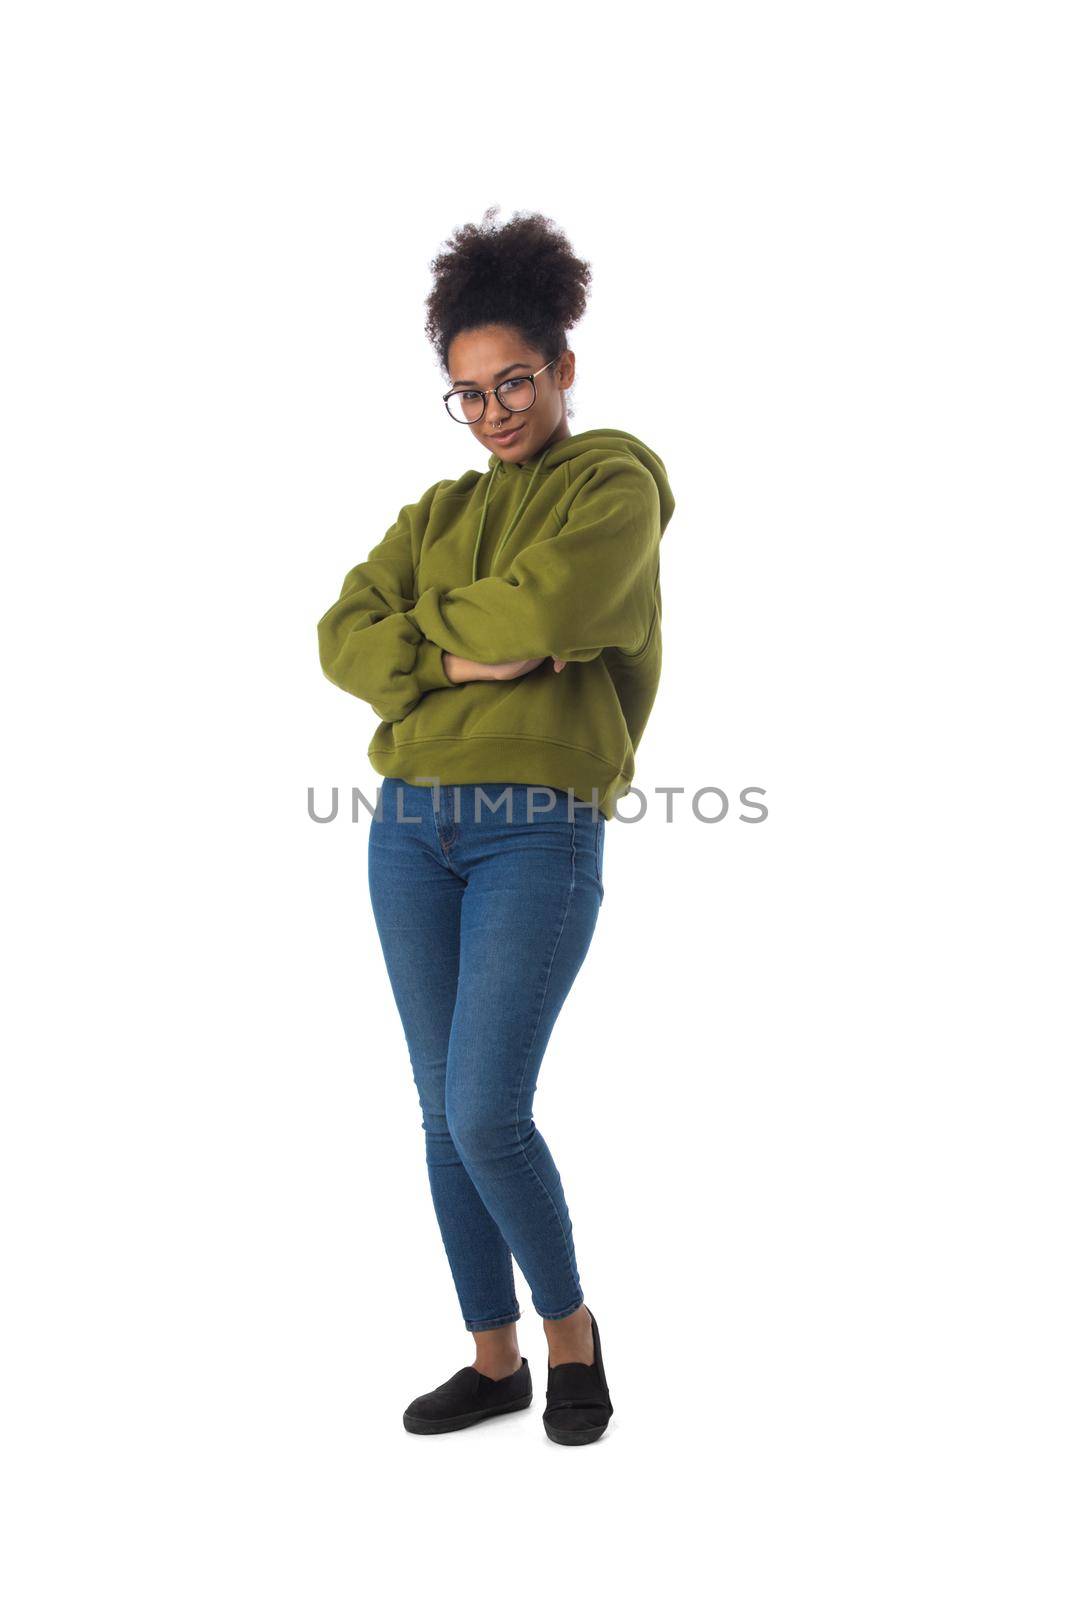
[[435, 1125], [477, 1135], [428, 1077]]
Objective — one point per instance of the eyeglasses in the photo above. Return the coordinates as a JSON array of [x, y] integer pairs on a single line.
[[514, 394]]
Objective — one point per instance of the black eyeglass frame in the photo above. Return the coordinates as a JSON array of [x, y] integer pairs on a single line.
[[519, 377]]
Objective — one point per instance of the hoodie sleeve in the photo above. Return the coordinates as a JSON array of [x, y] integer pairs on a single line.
[[368, 644], [585, 589]]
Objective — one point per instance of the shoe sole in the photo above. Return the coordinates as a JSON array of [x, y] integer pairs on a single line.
[[467, 1420], [575, 1435]]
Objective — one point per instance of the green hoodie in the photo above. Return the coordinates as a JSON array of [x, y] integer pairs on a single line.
[[554, 556]]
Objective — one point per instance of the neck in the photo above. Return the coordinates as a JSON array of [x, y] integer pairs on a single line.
[[561, 432]]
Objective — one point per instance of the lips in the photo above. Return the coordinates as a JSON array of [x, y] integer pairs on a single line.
[[506, 438]]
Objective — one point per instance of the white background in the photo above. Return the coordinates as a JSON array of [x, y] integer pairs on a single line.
[[806, 1095]]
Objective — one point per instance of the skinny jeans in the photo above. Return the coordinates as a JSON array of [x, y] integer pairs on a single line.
[[484, 923]]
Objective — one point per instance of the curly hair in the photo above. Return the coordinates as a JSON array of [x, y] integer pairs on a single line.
[[524, 274]]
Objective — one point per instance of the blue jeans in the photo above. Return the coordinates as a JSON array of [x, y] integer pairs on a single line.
[[484, 923]]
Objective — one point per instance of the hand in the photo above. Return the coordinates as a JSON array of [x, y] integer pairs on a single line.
[[460, 670]]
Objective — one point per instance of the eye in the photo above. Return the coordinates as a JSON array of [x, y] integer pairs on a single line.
[[511, 384]]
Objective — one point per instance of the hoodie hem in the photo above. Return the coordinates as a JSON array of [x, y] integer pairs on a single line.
[[504, 758]]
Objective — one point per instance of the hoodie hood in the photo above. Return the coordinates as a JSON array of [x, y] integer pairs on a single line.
[[600, 441]]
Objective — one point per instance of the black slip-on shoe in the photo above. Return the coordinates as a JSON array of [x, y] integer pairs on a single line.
[[579, 1404], [468, 1396]]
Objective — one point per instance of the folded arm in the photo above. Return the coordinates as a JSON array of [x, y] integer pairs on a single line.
[[586, 589], [368, 643]]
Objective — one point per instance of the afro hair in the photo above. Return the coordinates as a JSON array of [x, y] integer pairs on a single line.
[[523, 274]]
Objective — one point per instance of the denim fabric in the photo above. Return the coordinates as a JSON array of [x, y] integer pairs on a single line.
[[484, 923]]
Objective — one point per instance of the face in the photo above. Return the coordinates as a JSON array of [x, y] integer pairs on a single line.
[[481, 358]]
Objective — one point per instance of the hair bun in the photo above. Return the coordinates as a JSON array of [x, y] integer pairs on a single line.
[[523, 273]]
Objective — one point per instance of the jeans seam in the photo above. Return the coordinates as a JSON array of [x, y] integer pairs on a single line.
[[556, 1316], [483, 1324], [533, 1035]]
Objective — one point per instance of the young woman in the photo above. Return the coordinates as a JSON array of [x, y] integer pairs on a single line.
[[506, 631]]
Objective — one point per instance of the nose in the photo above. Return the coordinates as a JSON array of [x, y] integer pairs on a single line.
[[495, 412]]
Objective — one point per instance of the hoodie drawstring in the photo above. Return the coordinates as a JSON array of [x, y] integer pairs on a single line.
[[511, 524]]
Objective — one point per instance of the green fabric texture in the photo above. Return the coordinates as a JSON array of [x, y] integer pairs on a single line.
[[575, 575]]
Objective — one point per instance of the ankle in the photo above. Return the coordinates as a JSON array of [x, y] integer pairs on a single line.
[[497, 1367], [570, 1338], [576, 1325], [497, 1352]]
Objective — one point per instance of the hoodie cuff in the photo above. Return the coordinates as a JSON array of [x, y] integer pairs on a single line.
[[429, 669]]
